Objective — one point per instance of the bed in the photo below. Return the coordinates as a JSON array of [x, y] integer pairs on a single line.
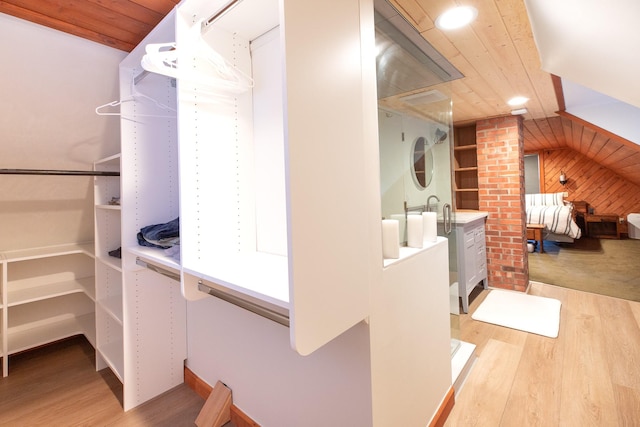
[[556, 214]]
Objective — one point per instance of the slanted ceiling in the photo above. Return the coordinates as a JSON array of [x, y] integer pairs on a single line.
[[121, 24], [496, 54]]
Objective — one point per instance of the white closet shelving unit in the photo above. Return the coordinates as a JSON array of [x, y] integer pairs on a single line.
[[141, 315], [257, 166], [245, 174], [108, 268], [48, 294]]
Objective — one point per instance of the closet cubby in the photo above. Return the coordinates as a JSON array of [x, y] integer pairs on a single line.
[[48, 294], [108, 268], [465, 167]]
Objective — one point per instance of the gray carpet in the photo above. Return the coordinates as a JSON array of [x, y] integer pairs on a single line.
[[602, 266]]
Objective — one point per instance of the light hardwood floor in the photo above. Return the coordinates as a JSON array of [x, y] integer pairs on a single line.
[[57, 385], [588, 376]]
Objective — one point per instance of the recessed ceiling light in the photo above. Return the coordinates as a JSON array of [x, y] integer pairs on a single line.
[[456, 17], [517, 100]]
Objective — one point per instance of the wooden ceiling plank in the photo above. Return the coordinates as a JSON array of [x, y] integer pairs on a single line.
[[576, 136], [620, 158], [531, 141], [412, 10], [588, 136], [466, 51], [556, 127], [56, 24], [517, 23], [88, 16], [630, 164], [568, 133], [606, 151], [605, 132], [599, 141], [134, 10], [548, 134], [525, 62], [160, 6]]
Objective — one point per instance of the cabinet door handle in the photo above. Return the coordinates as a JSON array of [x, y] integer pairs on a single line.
[[446, 216]]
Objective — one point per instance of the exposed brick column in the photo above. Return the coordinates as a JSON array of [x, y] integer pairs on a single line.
[[501, 193]]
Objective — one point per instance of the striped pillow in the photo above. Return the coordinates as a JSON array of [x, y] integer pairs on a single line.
[[545, 199]]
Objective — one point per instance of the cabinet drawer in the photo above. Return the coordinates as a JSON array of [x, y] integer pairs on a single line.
[[469, 239]]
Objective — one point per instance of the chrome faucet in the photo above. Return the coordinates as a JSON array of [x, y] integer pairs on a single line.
[[429, 201]]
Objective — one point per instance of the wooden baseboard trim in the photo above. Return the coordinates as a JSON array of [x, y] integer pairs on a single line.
[[240, 419], [445, 409], [202, 389]]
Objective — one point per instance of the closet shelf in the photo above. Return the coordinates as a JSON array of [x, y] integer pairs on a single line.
[[114, 160], [113, 307], [24, 338], [109, 207], [113, 355], [46, 291], [465, 147], [261, 277], [49, 251], [115, 263]]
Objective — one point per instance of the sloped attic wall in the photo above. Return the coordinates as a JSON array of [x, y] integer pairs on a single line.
[[604, 190], [51, 85]]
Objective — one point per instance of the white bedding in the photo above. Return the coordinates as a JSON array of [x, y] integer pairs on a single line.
[[557, 219], [551, 210]]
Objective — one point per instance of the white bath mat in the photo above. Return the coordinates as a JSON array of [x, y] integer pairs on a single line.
[[517, 310]]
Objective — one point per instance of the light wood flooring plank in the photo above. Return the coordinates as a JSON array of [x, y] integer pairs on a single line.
[[588, 376], [622, 341], [535, 394], [57, 385], [487, 388], [628, 405], [587, 392]]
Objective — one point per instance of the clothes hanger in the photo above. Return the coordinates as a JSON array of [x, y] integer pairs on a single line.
[[136, 95], [224, 78]]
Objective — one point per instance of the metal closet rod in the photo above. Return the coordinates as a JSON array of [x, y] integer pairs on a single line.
[[56, 172]]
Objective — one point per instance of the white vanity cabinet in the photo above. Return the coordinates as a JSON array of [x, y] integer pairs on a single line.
[[472, 254]]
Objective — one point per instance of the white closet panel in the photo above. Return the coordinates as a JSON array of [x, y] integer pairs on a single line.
[[141, 315], [258, 167]]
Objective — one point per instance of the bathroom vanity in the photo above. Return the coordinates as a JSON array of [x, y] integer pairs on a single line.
[[471, 251]]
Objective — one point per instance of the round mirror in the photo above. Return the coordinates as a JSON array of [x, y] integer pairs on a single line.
[[421, 163]]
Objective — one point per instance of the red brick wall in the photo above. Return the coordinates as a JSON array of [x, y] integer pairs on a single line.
[[501, 193]]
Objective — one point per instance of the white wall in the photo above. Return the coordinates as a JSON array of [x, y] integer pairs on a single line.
[[272, 383], [51, 83]]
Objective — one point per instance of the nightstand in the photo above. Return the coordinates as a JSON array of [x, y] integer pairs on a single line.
[[603, 226]]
